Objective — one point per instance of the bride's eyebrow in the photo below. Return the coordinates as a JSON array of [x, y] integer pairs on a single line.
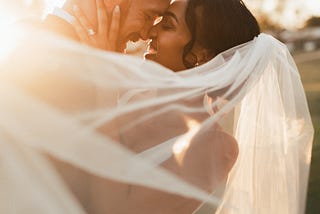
[[172, 15]]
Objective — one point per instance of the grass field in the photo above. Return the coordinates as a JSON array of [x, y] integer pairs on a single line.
[[310, 75]]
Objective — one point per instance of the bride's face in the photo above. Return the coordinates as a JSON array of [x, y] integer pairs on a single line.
[[169, 37]]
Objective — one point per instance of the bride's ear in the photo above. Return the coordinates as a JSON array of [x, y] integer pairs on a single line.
[[199, 55], [203, 55]]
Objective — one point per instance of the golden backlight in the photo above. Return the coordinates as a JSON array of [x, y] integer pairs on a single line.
[[8, 36], [12, 15], [290, 14]]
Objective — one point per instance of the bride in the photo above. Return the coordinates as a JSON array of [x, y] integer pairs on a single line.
[[147, 140]]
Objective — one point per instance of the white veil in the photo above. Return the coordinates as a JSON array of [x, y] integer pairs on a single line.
[[87, 131]]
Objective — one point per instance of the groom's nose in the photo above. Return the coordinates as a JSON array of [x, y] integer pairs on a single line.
[[145, 32], [153, 32]]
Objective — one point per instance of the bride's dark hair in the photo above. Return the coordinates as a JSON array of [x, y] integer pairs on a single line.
[[218, 25]]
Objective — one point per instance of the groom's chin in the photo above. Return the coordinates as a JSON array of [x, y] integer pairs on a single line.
[[121, 48]]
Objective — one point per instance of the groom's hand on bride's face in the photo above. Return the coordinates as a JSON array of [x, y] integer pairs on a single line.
[[137, 19], [105, 35]]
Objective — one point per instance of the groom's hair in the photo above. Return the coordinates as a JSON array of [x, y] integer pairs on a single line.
[[218, 25]]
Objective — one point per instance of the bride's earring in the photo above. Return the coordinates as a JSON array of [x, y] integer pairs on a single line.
[[191, 60], [202, 56], [196, 61]]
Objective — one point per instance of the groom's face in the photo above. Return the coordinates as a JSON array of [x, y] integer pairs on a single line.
[[138, 18]]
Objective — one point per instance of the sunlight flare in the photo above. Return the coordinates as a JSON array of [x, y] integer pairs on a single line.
[[8, 42]]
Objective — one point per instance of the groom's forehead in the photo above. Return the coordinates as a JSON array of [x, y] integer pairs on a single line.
[[158, 6]]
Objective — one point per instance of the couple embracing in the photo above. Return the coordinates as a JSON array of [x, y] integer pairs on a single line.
[[213, 120], [183, 34]]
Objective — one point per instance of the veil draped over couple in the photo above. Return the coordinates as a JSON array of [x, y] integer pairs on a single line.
[[213, 120]]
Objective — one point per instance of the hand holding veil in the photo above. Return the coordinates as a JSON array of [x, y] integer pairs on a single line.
[[98, 132]]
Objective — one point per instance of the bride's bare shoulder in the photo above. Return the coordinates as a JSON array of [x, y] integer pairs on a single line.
[[208, 159]]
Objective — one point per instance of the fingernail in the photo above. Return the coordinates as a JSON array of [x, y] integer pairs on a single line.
[[117, 9], [75, 8]]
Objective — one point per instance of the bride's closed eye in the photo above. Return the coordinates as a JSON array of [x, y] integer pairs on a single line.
[[169, 21], [166, 24]]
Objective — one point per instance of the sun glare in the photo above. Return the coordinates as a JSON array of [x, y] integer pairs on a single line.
[[314, 7], [8, 42], [269, 5], [7, 36], [11, 13]]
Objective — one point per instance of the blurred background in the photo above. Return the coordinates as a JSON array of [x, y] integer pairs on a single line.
[[294, 22], [297, 24]]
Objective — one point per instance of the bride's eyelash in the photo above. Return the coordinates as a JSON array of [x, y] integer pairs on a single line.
[[166, 25]]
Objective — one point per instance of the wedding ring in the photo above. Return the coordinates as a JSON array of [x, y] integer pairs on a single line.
[[91, 32]]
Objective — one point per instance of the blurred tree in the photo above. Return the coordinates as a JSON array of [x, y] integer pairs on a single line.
[[281, 5], [266, 24], [314, 21]]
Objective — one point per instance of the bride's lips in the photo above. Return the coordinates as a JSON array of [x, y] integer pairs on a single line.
[[152, 47]]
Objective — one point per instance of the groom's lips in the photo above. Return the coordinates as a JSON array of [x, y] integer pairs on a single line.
[[134, 37]]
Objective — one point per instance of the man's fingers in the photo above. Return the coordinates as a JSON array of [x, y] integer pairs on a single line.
[[114, 26], [106, 36], [81, 31], [102, 18], [82, 19]]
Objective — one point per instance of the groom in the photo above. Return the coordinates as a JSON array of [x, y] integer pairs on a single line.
[[137, 18]]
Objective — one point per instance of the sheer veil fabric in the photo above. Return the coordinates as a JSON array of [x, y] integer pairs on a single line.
[[87, 131]]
